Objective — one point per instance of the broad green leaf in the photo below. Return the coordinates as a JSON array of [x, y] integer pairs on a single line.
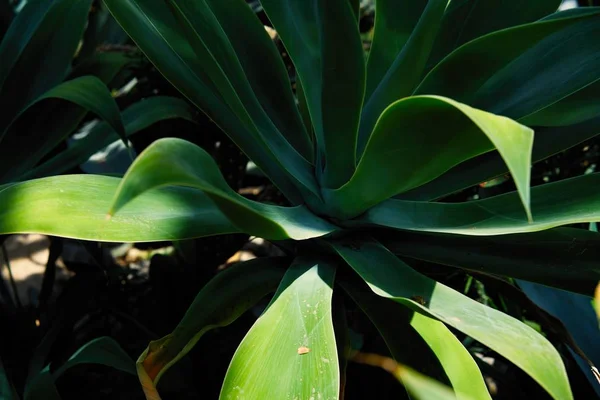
[[535, 71], [290, 351], [226, 297], [548, 141], [154, 29], [405, 72], [103, 350], [86, 92], [7, 389], [178, 162], [574, 311], [264, 69], [136, 118], [212, 47], [408, 134], [47, 57], [102, 30], [565, 258], [41, 205], [466, 20], [511, 338], [552, 204], [424, 388], [391, 33], [324, 44], [429, 339]]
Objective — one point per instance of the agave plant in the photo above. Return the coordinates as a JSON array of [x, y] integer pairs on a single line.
[[450, 96]]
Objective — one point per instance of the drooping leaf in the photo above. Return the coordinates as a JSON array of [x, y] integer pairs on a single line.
[[178, 162], [154, 28], [226, 297], [428, 339], [579, 318], [41, 206], [552, 205], [136, 118], [405, 72], [545, 62], [290, 351], [564, 258], [548, 141], [324, 44], [408, 134], [105, 65], [7, 389], [469, 19], [511, 338], [46, 58]]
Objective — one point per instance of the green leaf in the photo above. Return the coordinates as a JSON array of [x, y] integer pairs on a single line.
[[324, 44], [46, 58], [565, 258], [264, 69], [105, 66], [103, 350], [391, 33], [86, 92], [469, 19], [40, 206], [290, 351], [7, 389], [424, 388], [428, 339], [136, 118], [405, 72], [156, 31], [553, 205], [392, 157], [511, 338], [545, 62], [548, 141], [226, 297], [178, 162]]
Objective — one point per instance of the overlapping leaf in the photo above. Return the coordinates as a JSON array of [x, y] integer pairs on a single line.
[[516, 341]]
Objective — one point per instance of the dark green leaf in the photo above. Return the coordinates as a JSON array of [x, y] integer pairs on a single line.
[[511, 338], [226, 297], [7, 389], [136, 118], [466, 20], [405, 72], [291, 349], [40, 206], [564, 258], [178, 162]]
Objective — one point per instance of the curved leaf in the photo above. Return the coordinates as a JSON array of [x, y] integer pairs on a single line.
[[290, 351], [408, 134], [469, 19], [406, 71], [392, 321], [511, 338], [565, 258], [7, 389], [548, 141], [40, 206], [323, 41], [545, 62], [154, 29], [136, 118], [45, 60], [226, 297], [178, 162], [553, 205], [105, 65]]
